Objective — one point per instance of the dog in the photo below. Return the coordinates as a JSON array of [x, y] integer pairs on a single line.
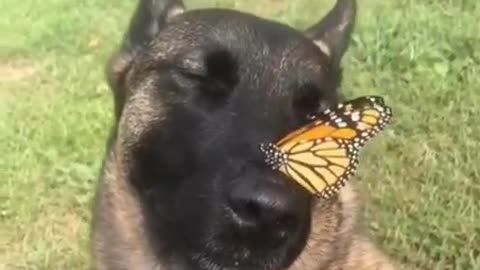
[[183, 184]]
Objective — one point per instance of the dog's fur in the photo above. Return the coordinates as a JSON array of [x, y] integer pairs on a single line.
[[195, 93]]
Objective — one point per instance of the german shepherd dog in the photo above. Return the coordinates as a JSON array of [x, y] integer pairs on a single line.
[[184, 185]]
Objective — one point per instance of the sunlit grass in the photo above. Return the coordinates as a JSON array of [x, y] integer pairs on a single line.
[[420, 178]]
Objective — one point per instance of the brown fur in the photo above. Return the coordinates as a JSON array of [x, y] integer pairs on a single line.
[[335, 242], [120, 237]]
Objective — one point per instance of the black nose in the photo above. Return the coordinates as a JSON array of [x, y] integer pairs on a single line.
[[265, 206]]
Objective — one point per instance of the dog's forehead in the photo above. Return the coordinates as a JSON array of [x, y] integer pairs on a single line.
[[240, 23], [242, 33]]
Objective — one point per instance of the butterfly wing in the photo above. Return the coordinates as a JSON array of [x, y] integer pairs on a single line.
[[323, 155], [367, 115], [322, 166]]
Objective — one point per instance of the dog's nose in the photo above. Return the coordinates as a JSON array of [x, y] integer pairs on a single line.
[[265, 207]]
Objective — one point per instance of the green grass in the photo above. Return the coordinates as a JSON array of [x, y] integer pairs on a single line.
[[421, 178]]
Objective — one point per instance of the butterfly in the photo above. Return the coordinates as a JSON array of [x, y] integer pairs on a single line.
[[322, 155]]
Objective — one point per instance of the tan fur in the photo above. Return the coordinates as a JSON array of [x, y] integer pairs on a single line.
[[335, 242], [122, 238], [365, 256]]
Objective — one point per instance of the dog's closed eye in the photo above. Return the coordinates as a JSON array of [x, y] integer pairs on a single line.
[[214, 72], [192, 64]]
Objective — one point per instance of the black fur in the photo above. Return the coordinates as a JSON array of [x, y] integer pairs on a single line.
[[223, 82]]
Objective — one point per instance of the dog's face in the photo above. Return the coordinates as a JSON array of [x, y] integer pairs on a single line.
[[196, 93]]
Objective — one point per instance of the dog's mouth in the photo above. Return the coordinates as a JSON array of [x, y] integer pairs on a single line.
[[239, 260], [232, 254]]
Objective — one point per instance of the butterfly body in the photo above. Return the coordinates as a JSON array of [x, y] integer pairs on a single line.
[[323, 155]]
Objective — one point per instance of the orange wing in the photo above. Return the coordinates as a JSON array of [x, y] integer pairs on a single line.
[[323, 155]]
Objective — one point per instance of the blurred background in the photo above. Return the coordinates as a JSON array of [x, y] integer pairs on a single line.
[[419, 178]]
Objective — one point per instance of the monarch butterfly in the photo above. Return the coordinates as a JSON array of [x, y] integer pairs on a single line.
[[322, 155]]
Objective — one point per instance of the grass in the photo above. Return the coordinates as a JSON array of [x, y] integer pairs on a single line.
[[423, 192]]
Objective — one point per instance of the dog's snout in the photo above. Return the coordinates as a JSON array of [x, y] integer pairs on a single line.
[[263, 207]]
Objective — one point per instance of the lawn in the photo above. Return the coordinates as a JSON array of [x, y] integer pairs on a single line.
[[421, 178]]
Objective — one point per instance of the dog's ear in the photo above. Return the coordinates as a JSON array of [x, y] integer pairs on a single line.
[[149, 18], [333, 33]]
